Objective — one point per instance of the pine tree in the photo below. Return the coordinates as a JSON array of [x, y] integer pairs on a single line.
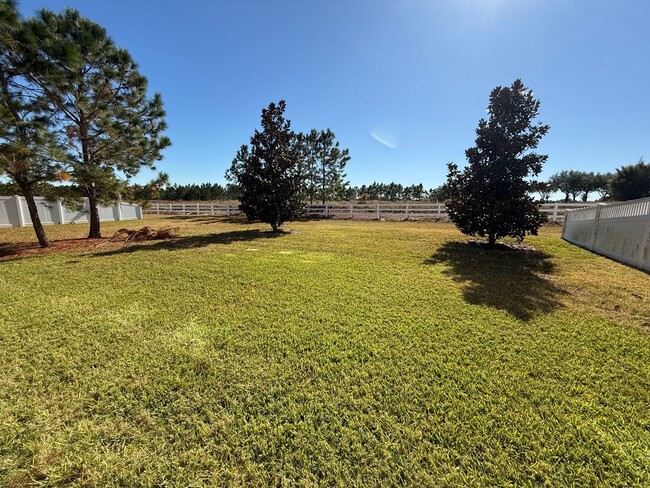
[[105, 117], [268, 175], [29, 153], [491, 197], [310, 147], [324, 163]]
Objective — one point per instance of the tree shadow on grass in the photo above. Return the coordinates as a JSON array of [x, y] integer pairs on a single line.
[[506, 278], [192, 242], [212, 219]]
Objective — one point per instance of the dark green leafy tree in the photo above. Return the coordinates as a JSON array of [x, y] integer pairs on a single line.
[[29, 152], [543, 189], [562, 183], [571, 183], [491, 197], [268, 174], [103, 112], [588, 184], [440, 193], [602, 182], [143, 194], [631, 182]]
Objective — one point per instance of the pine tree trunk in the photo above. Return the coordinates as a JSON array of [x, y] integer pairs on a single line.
[[323, 184], [33, 213], [94, 232], [492, 240]]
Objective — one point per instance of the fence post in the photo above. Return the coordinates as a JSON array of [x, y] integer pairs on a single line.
[[19, 211], [183, 208], [138, 212], [60, 211], [555, 208], [645, 244], [351, 211], [119, 208], [407, 211], [378, 213], [228, 209], [327, 210], [594, 233], [439, 210]]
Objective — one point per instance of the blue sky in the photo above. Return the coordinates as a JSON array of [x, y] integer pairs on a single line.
[[416, 73]]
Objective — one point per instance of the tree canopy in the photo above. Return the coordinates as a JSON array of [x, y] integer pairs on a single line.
[[30, 154], [100, 104], [491, 196], [268, 174], [323, 166], [631, 182]]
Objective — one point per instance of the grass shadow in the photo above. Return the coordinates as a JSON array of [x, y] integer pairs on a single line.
[[9, 249], [506, 278], [21, 250], [196, 241]]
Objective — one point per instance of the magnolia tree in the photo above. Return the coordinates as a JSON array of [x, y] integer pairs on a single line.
[[268, 172], [491, 196]]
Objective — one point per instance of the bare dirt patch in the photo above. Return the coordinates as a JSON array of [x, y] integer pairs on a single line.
[[21, 250]]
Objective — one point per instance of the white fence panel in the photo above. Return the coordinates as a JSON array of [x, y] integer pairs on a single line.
[[428, 210], [193, 208], [14, 212], [620, 231], [8, 211], [131, 211]]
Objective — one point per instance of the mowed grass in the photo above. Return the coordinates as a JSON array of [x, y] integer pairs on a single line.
[[343, 353]]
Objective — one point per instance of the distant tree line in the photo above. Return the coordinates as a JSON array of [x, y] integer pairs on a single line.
[[396, 192], [202, 192], [626, 183], [375, 191]]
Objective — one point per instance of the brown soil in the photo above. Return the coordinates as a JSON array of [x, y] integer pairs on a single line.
[[20, 250], [31, 249]]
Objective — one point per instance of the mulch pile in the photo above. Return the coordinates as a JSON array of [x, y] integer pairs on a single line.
[[144, 234]]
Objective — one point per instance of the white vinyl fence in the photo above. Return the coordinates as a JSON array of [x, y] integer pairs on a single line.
[[620, 231], [14, 212], [414, 210]]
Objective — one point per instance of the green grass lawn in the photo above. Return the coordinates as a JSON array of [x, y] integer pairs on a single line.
[[344, 353]]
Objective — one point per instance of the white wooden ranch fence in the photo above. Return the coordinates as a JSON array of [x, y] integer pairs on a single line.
[[620, 231], [14, 212], [438, 211]]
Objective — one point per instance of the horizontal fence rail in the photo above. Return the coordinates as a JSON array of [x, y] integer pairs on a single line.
[[620, 231], [390, 210], [14, 212]]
